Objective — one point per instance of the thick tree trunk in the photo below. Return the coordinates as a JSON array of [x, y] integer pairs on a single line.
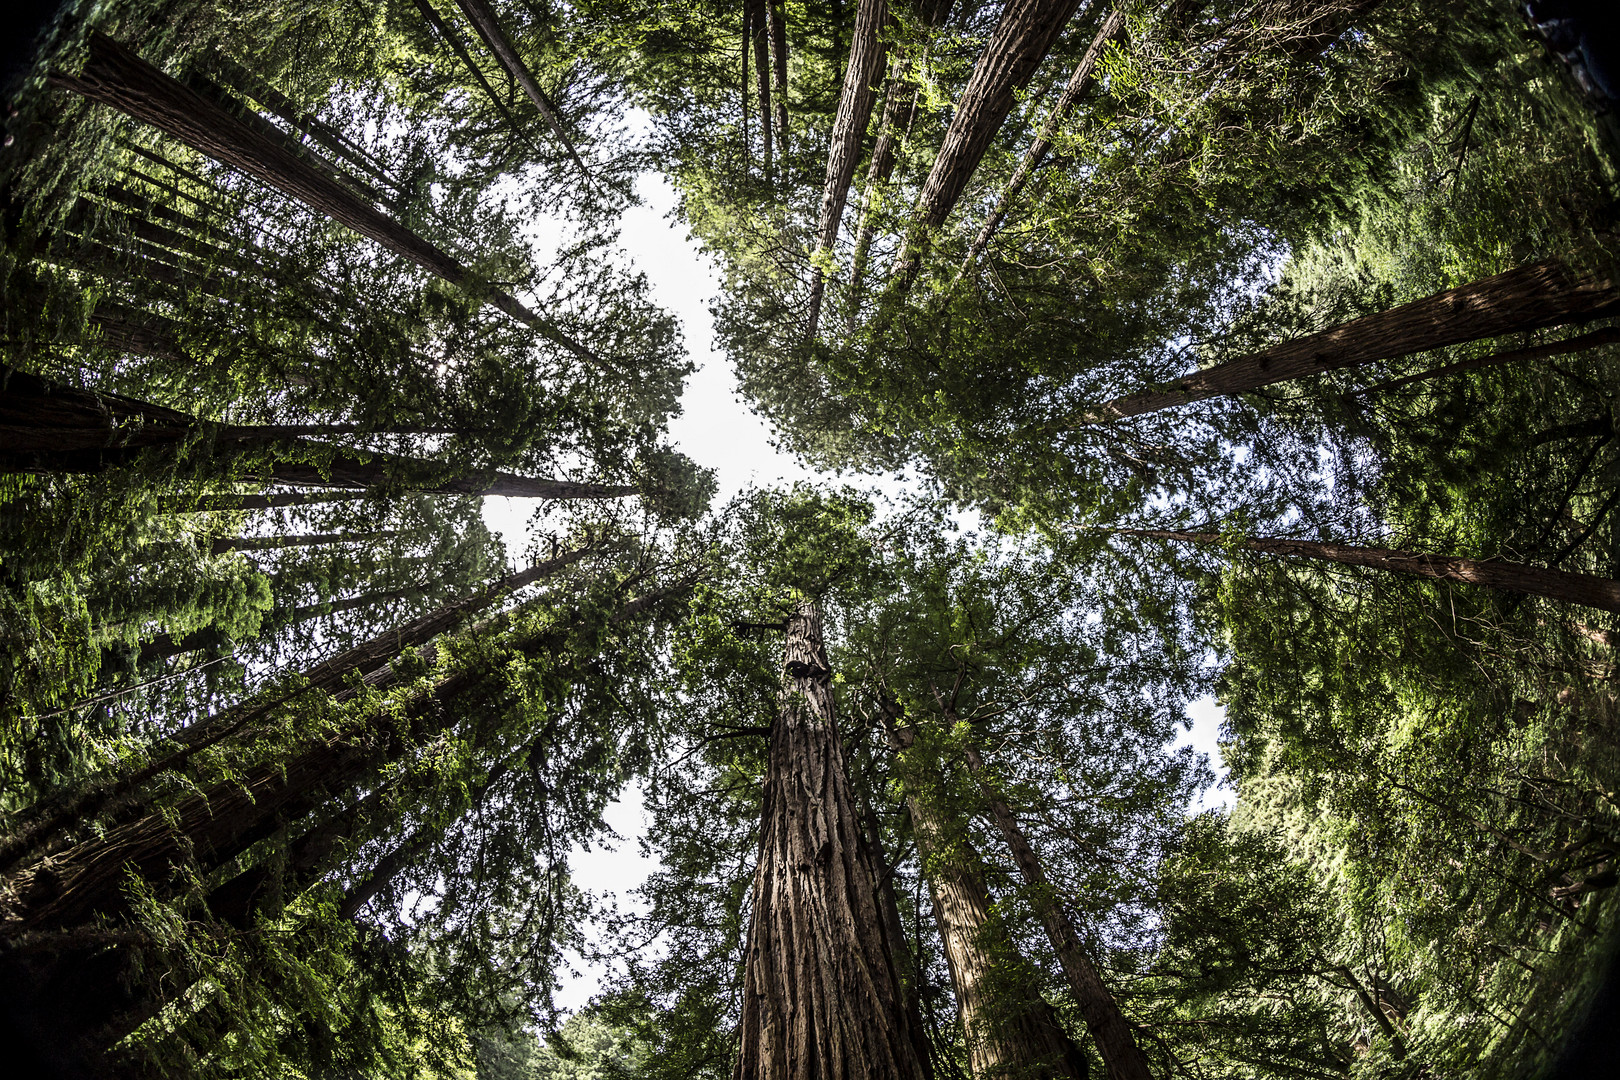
[[866, 55], [489, 28], [49, 428], [1108, 1026], [117, 77], [1016, 48], [821, 997], [1561, 585], [1010, 1030], [1035, 156], [1528, 298]]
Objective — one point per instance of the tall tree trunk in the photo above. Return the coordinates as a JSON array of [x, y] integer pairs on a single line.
[[1527, 298], [1035, 156], [72, 1020], [1108, 1026], [779, 71], [899, 107], [1607, 335], [489, 28], [363, 660], [277, 543], [821, 996], [208, 828], [275, 501], [46, 427], [1016, 48], [115, 76], [1010, 1030], [1560, 585], [866, 55], [758, 20], [448, 35]]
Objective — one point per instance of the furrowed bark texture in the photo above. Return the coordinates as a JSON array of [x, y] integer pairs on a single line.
[[1527, 298], [866, 55], [1035, 156], [1010, 1030], [1016, 48], [489, 28], [821, 997], [115, 76], [1562, 585], [1107, 1025]]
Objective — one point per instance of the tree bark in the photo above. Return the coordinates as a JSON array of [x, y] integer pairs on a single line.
[[1108, 1027], [115, 76], [459, 49], [46, 427], [899, 108], [489, 28], [210, 827], [277, 543], [1035, 156], [1019, 43], [1527, 298], [1010, 1030], [759, 25], [821, 996], [1560, 585], [1608, 335], [329, 676], [866, 54], [779, 71]]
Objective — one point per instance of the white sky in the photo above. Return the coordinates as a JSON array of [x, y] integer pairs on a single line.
[[717, 431]]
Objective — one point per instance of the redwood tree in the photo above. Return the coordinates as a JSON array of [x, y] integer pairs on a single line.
[[821, 993]]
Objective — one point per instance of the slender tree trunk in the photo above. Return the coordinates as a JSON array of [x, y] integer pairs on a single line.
[[1608, 335], [276, 501], [305, 123], [866, 55], [1016, 48], [489, 28], [1009, 1028], [779, 71], [1528, 298], [117, 77], [759, 26], [821, 996], [1560, 585], [1035, 156], [49, 428], [899, 108], [1108, 1026], [448, 34], [277, 543], [210, 827], [364, 660]]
